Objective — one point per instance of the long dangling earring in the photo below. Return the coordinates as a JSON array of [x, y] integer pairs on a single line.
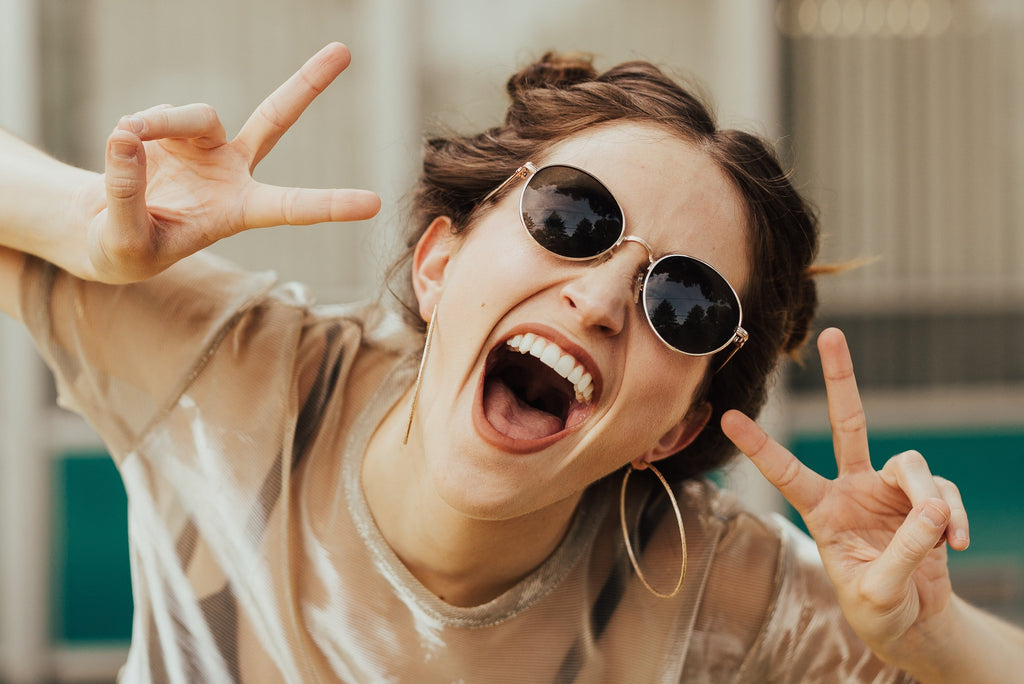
[[419, 374], [629, 546]]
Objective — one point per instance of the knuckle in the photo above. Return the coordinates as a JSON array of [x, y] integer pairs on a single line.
[[307, 74], [840, 375], [122, 187], [289, 205], [909, 547], [910, 460], [758, 446], [789, 473], [913, 456], [875, 597], [160, 118], [947, 487], [270, 112], [207, 115], [855, 422]]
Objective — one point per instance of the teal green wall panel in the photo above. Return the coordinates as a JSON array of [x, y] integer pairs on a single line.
[[91, 582], [988, 467], [92, 586]]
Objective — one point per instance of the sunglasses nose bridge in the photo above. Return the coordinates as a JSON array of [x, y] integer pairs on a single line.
[[643, 243], [641, 275], [596, 293]]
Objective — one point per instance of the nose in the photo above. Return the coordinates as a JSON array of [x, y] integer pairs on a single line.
[[602, 293]]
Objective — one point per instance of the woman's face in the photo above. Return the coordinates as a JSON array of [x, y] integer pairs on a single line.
[[489, 453]]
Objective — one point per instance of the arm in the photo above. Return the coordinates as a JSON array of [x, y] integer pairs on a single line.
[[173, 184], [882, 536], [965, 644], [10, 285], [34, 191]]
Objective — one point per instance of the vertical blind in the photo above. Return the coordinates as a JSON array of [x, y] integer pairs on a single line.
[[907, 122]]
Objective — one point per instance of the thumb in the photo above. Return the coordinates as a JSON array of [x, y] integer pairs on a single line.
[[125, 177], [923, 528], [125, 236]]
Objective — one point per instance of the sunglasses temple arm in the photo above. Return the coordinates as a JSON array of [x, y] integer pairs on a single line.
[[524, 171], [738, 340]]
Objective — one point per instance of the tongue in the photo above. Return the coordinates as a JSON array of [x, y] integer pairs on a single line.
[[516, 419]]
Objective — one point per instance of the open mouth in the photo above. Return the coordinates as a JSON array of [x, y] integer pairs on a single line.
[[533, 390]]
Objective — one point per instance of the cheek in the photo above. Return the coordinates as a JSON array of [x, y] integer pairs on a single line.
[[496, 268], [674, 380], [660, 392]]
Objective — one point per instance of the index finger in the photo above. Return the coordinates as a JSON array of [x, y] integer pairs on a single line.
[[801, 486], [282, 108], [270, 205], [845, 409]]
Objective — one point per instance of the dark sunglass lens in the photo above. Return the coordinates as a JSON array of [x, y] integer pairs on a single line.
[[690, 305], [570, 213]]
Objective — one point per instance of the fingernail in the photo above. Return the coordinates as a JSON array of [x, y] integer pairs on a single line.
[[122, 150], [933, 517], [962, 540]]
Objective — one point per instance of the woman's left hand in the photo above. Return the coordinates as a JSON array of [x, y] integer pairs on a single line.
[[882, 534]]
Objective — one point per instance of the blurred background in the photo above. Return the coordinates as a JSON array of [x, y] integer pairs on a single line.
[[903, 120]]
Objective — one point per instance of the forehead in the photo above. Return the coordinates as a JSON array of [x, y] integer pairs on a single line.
[[672, 193]]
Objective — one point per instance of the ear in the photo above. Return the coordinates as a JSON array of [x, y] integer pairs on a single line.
[[680, 436], [429, 262]]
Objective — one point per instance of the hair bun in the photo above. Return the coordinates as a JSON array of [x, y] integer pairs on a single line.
[[553, 70]]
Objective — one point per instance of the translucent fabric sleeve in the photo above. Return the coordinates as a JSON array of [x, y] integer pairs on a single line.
[[121, 353]]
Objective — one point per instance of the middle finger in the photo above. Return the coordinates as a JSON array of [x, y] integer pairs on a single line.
[[845, 410], [282, 108]]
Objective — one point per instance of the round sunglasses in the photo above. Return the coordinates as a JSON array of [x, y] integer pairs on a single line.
[[690, 306]]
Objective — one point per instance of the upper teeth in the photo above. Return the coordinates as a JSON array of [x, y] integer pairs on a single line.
[[552, 356]]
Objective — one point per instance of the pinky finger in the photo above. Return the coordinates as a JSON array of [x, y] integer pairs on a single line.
[[958, 533], [270, 205]]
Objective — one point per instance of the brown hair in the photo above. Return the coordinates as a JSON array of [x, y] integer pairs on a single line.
[[562, 95]]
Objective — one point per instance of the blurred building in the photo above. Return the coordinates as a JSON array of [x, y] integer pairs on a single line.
[[906, 124], [901, 119]]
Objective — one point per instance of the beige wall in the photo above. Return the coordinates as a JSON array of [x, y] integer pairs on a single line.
[[416, 65]]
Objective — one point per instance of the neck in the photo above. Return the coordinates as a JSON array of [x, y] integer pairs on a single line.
[[463, 560]]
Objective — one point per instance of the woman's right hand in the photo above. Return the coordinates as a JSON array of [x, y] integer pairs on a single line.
[[174, 184]]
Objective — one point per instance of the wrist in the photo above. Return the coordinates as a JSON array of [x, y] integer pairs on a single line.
[[45, 204], [961, 644], [54, 223], [928, 649]]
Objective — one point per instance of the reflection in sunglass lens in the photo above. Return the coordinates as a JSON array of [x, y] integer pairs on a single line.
[[690, 305], [570, 213]]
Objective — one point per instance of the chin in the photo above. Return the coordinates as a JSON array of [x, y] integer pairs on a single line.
[[479, 487]]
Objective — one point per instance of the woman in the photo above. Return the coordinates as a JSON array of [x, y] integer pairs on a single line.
[[319, 494]]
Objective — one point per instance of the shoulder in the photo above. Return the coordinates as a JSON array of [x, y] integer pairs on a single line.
[[743, 575], [750, 556]]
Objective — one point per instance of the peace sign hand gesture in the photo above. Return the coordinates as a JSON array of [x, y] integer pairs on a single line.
[[880, 533], [174, 184]]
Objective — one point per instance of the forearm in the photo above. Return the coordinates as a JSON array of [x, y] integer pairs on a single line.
[[11, 263], [967, 645], [43, 204]]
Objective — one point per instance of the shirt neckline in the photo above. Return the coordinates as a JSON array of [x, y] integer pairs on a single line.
[[578, 538]]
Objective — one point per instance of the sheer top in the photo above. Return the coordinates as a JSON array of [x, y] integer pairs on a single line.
[[237, 412]]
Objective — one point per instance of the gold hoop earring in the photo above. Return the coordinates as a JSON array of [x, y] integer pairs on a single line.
[[419, 374], [629, 546]]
